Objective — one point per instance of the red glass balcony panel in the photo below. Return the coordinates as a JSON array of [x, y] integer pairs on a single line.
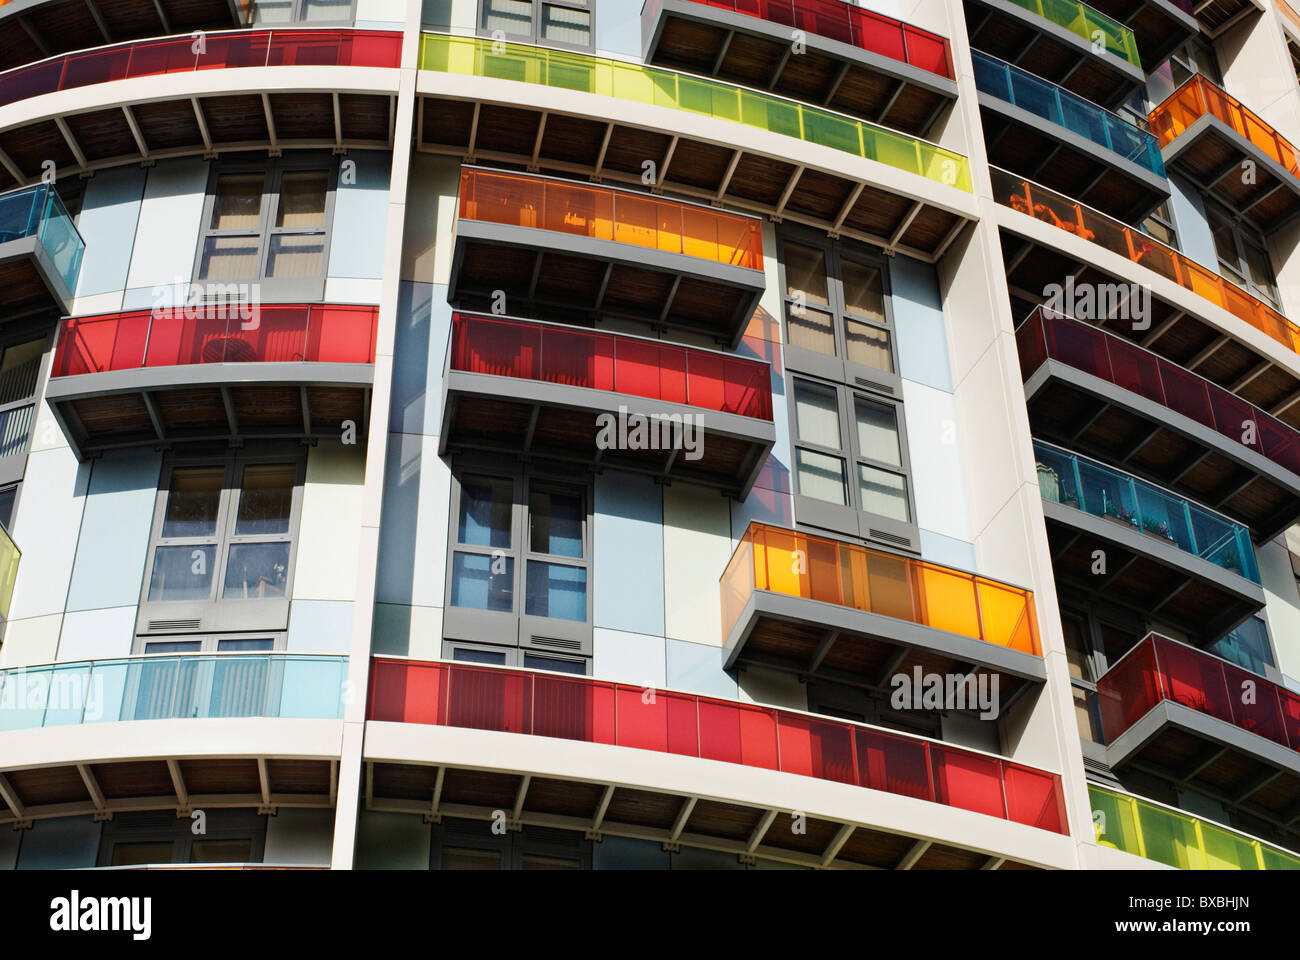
[[594, 711], [845, 574], [219, 50], [852, 25], [1048, 336], [1159, 669], [1089, 224], [532, 350], [278, 333], [1198, 97], [521, 200]]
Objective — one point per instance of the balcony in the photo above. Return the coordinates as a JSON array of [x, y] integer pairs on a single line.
[[1167, 558], [855, 61], [710, 140], [9, 557], [1208, 136], [1053, 39], [1159, 26], [1217, 16], [35, 30], [257, 730], [822, 608], [1077, 147], [1177, 713], [218, 373], [1111, 399], [1169, 836], [199, 116], [523, 387], [1035, 259], [40, 253], [569, 251], [754, 741]]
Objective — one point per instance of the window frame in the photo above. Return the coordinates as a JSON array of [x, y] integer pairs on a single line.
[[839, 367], [512, 846], [238, 824], [852, 518], [297, 9], [518, 628], [514, 656], [272, 289], [535, 37], [217, 615], [14, 465], [1242, 235]]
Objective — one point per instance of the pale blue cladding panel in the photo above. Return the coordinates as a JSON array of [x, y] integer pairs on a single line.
[[628, 554], [1194, 237], [360, 216], [697, 668], [109, 213], [115, 526], [423, 326], [918, 323]]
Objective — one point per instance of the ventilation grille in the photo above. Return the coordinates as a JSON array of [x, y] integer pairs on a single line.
[[174, 624], [873, 385], [891, 537], [557, 643]]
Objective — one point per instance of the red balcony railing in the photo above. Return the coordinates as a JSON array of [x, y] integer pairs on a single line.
[[594, 711], [849, 575], [1162, 669], [1048, 336], [216, 51], [1107, 232], [280, 333], [848, 24], [520, 200], [1197, 97], [530, 350]]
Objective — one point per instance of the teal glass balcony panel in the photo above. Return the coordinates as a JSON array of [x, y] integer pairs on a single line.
[[1065, 109], [37, 211], [299, 686], [1074, 481]]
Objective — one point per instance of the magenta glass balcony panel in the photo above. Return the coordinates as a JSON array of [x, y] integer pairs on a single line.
[[514, 701], [1193, 679], [1186, 393], [1289, 705], [220, 50], [529, 350], [1253, 709], [1135, 370], [1129, 690]]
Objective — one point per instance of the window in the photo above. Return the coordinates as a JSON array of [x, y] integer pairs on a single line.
[[512, 657], [222, 548], [471, 845], [1160, 224], [557, 23], [8, 498], [836, 312], [519, 569], [1243, 258], [157, 836], [269, 223], [269, 12], [850, 462], [21, 358], [1193, 57]]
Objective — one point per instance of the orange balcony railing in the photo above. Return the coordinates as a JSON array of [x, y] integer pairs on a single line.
[[606, 214], [818, 568], [1197, 97], [1073, 217]]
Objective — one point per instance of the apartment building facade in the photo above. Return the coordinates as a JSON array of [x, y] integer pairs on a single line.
[[595, 434]]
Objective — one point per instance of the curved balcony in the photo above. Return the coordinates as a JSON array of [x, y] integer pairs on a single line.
[[1038, 258], [1167, 557], [1053, 39], [40, 252], [523, 387], [690, 763], [716, 141], [219, 730], [1209, 137], [79, 124], [827, 609], [1103, 395], [1078, 147], [1201, 723], [150, 378], [568, 251], [853, 60], [32, 30], [1169, 836]]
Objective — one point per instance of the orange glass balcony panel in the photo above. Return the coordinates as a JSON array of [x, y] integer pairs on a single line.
[[604, 214], [818, 568]]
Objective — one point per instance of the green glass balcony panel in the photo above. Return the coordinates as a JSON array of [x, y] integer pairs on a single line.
[[1084, 21], [9, 557], [1178, 839], [474, 57], [1074, 481]]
